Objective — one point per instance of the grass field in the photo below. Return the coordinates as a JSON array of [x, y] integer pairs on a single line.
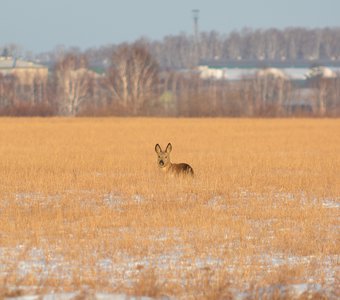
[[83, 205]]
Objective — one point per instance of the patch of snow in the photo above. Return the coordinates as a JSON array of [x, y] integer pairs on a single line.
[[114, 201], [291, 290], [217, 202], [74, 295], [331, 203], [137, 198]]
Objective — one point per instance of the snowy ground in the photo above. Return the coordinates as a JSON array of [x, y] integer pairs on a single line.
[[45, 265], [81, 295], [294, 291]]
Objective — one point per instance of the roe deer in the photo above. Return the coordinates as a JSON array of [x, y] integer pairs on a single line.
[[165, 164]]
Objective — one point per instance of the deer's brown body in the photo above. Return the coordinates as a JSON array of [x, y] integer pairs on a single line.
[[167, 166]]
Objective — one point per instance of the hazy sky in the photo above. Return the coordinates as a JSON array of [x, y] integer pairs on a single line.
[[40, 25]]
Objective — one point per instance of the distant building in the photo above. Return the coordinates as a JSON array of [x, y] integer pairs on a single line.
[[26, 72], [272, 72], [300, 70], [211, 73], [321, 72]]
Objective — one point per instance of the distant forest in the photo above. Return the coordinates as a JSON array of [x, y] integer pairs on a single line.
[[146, 78], [185, 51]]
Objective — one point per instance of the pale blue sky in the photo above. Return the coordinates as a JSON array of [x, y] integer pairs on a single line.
[[40, 25]]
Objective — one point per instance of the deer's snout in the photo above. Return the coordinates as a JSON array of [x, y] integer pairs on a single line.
[[161, 163]]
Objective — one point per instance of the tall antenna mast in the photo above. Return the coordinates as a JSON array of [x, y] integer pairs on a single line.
[[195, 15]]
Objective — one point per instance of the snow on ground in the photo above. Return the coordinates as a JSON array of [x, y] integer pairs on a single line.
[[45, 265], [293, 290], [74, 295]]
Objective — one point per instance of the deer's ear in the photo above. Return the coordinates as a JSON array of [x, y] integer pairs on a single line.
[[168, 148], [158, 149]]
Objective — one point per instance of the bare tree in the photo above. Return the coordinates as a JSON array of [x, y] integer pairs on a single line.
[[8, 87], [132, 76], [73, 83], [327, 96]]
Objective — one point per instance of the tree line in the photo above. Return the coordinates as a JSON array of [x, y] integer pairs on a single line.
[[147, 78], [185, 51]]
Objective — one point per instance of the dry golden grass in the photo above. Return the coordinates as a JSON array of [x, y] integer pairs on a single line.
[[82, 203]]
